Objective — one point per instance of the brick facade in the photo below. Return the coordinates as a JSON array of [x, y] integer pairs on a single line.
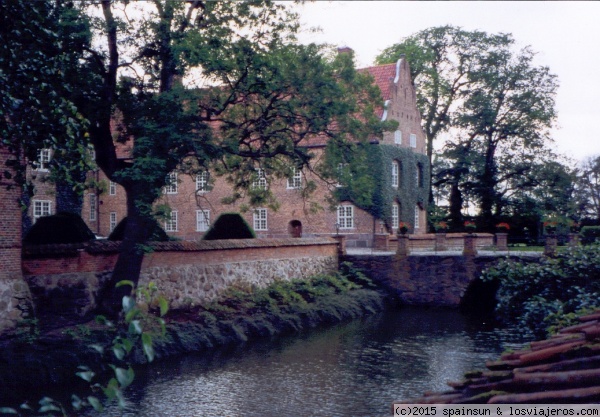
[[10, 224]]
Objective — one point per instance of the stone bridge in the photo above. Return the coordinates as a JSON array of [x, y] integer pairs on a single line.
[[435, 279]]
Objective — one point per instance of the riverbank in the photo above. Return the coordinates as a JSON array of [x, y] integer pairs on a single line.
[[33, 361]]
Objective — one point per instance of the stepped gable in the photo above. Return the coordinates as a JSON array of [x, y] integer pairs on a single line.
[[563, 369]]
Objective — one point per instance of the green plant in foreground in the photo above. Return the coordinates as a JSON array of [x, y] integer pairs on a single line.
[[137, 326]]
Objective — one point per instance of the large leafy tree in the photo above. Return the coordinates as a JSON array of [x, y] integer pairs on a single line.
[[441, 62], [510, 107], [493, 103], [201, 85]]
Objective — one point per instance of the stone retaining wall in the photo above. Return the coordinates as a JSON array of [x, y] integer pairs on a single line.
[[65, 280], [432, 280]]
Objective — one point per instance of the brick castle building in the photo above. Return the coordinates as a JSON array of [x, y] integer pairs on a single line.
[[196, 201]]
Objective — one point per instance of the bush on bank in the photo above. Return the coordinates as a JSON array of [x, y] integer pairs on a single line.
[[542, 296]]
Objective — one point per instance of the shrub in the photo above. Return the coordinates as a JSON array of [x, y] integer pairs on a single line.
[[536, 296], [59, 228], [590, 234], [229, 226]]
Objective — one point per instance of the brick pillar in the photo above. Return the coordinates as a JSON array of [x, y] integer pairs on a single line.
[[469, 247], [440, 242], [381, 242], [15, 299], [403, 248], [550, 247], [502, 241], [341, 244]]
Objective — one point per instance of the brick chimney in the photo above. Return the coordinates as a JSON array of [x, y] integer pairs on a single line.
[[345, 50]]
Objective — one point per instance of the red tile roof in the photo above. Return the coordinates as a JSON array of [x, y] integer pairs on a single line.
[[384, 76]]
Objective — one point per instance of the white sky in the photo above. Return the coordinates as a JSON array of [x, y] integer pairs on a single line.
[[566, 35]]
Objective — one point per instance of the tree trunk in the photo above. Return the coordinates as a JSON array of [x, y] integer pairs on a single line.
[[487, 189], [456, 203], [131, 254]]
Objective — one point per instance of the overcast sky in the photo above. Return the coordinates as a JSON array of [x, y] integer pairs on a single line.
[[566, 36]]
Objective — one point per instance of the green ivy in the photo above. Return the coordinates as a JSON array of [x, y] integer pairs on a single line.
[[367, 180]]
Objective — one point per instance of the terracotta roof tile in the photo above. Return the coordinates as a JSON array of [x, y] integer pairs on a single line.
[[384, 78]]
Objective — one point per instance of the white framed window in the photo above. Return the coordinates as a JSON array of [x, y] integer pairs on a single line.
[[260, 219], [295, 181], [112, 220], [398, 137], [171, 222], [260, 181], [395, 216], [202, 182], [395, 174], [202, 220], [112, 188], [41, 208], [345, 217], [417, 216], [43, 161], [413, 140], [93, 207], [171, 183]]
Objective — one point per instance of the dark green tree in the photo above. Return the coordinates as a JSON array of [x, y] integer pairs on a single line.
[[510, 108]]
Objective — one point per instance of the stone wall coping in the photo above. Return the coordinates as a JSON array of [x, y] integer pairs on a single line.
[[206, 245], [108, 247], [430, 236]]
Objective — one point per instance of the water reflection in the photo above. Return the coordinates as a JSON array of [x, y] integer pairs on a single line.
[[355, 369]]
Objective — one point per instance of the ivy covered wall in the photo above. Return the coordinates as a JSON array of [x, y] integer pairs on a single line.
[[367, 180]]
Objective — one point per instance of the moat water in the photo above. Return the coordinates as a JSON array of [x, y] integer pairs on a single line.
[[354, 369]]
